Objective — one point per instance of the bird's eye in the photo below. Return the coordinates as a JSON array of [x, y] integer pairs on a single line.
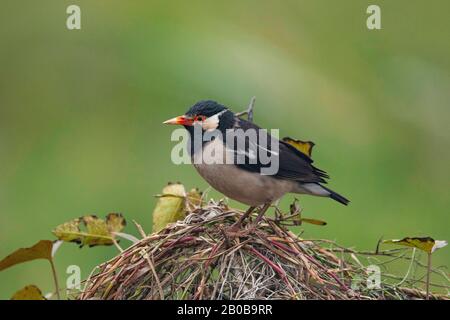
[[199, 118]]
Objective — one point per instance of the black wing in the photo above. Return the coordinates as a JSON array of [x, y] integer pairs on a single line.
[[293, 164]]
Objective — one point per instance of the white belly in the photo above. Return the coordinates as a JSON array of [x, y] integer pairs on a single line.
[[247, 187]]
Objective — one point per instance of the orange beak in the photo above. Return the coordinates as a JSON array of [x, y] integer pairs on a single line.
[[181, 120]]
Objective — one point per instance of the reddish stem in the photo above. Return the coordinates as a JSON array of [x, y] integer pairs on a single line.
[[285, 248]]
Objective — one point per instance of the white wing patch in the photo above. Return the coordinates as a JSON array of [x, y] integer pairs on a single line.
[[265, 149], [250, 154]]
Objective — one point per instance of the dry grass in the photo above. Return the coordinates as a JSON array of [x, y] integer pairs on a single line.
[[197, 259]]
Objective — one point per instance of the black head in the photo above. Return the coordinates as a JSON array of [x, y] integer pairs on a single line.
[[207, 113], [207, 108]]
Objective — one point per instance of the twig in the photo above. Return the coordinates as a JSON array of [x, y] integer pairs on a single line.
[[140, 229], [428, 276], [161, 291], [248, 111], [55, 278], [191, 259], [117, 244], [409, 268]]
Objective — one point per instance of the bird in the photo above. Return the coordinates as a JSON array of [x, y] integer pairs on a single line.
[[243, 181]]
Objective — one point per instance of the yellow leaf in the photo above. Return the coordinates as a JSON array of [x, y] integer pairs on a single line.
[[115, 222], [41, 250], [296, 213], [69, 231], [98, 231], [304, 147], [426, 244], [170, 206], [314, 221], [193, 199], [30, 292]]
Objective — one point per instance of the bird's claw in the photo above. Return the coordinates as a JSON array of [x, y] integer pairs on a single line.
[[236, 231]]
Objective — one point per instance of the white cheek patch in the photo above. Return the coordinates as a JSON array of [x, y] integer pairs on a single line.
[[212, 122]]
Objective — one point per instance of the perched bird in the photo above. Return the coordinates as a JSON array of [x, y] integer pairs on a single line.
[[243, 180]]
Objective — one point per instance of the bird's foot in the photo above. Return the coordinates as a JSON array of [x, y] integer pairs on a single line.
[[236, 231]]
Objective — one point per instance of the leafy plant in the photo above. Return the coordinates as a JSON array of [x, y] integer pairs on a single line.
[[173, 203], [41, 250], [30, 292], [98, 231], [427, 244]]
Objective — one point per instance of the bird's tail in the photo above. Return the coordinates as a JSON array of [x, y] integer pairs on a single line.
[[319, 190], [336, 196]]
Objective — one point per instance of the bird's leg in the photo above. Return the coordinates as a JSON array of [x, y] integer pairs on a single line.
[[259, 217], [236, 229], [238, 224], [278, 213], [261, 213]]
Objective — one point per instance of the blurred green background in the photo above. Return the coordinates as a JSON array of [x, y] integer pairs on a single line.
[[81, 111]]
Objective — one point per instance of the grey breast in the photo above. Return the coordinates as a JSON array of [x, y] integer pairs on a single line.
[[247, 187]]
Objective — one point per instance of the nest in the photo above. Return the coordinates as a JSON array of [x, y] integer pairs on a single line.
[[198, 259]]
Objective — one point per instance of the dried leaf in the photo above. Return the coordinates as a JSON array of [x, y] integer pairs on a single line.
[[313, 221], [30, 292], [194, 199], [170, 206], [294, 207], [304, 147], [98, 231], [115, 222], [426, 244], [296, 212], [41, 250]]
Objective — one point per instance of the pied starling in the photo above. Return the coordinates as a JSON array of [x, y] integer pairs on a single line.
[[243, 180]]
